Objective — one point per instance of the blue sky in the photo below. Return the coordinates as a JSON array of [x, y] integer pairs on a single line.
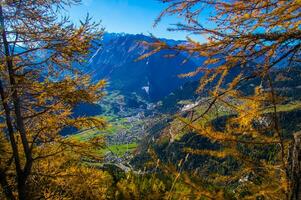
[[129, 16]]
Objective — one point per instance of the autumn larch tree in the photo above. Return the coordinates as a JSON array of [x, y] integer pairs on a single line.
[[252, 37], [39, 86]]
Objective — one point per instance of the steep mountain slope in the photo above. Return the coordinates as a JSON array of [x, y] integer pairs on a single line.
[[134, 86], [152, 78]]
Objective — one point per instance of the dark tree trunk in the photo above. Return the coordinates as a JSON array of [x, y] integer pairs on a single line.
[[295, 167], [5, 187], [22, 177]]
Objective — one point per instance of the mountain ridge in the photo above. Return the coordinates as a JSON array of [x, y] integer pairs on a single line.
[[116, 62]]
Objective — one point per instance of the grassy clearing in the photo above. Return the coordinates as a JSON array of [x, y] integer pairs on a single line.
[[121, 149], [114, 126], [295, 105]]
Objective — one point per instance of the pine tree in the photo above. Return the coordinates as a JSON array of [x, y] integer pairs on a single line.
[[39, 86], [252, 38]]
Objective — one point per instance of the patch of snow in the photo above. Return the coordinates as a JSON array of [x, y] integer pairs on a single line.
[[189, 106], [91, 59], [146, 89]]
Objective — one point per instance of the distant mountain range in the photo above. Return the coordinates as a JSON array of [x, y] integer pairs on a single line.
[[134, 86], [155, 78], [152, 78]]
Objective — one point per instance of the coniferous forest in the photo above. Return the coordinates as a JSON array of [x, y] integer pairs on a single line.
[[206, 105]]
